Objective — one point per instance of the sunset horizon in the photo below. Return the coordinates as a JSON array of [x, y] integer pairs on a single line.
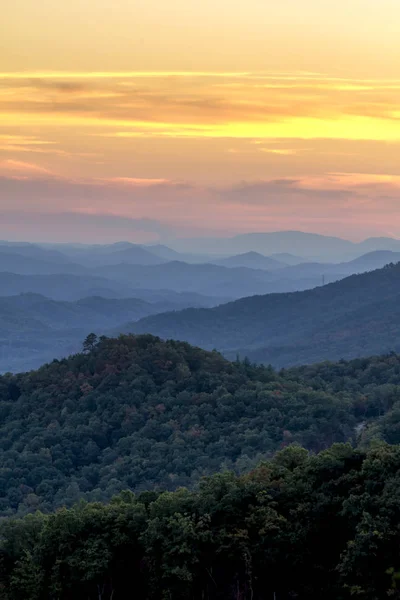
[[205, 119]]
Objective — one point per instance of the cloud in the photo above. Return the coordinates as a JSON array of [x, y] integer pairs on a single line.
[[204, 104], [63, 75], [22, 140], [343, 203], [19, 166], [209, 151], [280, 151], [135, 181]]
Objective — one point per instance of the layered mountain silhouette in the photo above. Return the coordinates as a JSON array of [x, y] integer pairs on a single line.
[[272, 326], [357, 316], [122, 269], [310, 246]]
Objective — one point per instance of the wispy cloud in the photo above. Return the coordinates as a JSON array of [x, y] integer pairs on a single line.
[[64, 75], [280, 151], [19, 140], [204, 104], [19, 166], [126, 143], [134, 181]]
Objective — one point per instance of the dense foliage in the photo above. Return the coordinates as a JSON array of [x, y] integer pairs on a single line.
[[138, 413], [357, 316], [300, 526]]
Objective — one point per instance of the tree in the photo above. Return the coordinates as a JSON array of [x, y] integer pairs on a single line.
[[90, 342]]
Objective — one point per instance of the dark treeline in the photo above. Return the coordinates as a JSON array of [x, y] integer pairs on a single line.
[[302, 526]]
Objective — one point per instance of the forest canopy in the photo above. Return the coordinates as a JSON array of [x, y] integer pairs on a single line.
[[142, 414], [299, 526]]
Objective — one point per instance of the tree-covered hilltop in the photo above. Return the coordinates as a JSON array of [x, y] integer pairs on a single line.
[[357, 316], [300, 526], [139, 413]]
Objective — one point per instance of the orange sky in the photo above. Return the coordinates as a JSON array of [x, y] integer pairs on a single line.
[[199, 117]]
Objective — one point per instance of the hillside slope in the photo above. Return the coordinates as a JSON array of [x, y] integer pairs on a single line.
[[140, 413], [285, 329]]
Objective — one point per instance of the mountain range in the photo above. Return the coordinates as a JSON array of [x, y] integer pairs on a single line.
[[67, 291], [280, 245], [357, 316], [310, 246], [101, 272]]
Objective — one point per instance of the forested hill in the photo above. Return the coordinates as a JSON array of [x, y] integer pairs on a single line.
[[357, 316], [139, 413]]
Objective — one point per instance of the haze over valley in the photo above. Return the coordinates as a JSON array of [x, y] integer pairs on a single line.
[[51, 297]]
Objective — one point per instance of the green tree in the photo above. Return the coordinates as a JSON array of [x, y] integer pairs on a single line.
[[90, 342]]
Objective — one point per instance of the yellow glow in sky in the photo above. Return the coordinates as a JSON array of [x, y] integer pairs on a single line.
[[205, 95]]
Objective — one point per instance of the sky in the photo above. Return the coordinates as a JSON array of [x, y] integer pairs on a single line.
[[147, 120]]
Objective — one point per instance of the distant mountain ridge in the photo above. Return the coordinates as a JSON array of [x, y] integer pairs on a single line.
[[84, 314], [120, 272], [29, 264], [33, 251], [275, 244], [204, 278], [294, 328], [123, 252], [35, 329], [308, 245], [288, 258], [251, 260]]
